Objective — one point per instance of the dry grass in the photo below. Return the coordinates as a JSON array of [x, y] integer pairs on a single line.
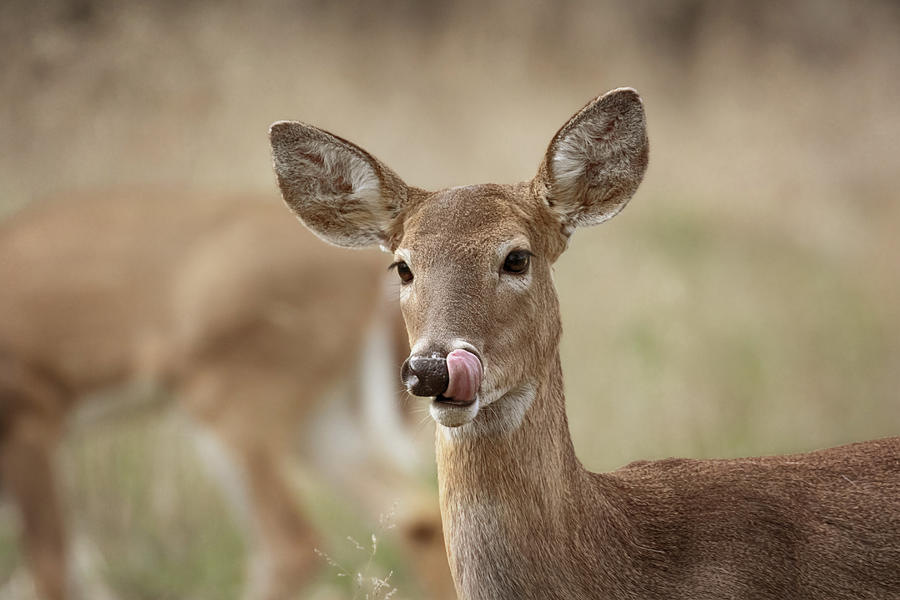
[[746, 303]]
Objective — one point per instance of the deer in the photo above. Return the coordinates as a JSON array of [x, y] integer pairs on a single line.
[[248, 326], [522, 518]]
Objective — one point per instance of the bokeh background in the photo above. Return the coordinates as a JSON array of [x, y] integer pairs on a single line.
[[747, 302]]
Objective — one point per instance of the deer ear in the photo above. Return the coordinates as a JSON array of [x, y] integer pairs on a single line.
[[597, 160], [338, 190]]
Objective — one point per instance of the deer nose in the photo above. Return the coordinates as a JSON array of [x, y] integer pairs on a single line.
[[425, 375]]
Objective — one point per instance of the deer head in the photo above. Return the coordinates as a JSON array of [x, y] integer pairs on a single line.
[[474, 262]]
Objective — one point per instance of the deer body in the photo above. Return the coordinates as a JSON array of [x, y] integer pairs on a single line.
[[773, 527], [212, 296], [522, 517], [167, 297]]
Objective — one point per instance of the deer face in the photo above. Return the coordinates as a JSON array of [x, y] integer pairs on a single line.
[[474, 265], [474, 262]]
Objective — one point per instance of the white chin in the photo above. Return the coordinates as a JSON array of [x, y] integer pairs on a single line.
[[452, 415]]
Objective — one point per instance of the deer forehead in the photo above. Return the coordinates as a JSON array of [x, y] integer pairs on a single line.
[[478, 223]]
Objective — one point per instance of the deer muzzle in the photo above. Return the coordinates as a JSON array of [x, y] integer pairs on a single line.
[[453, 379]]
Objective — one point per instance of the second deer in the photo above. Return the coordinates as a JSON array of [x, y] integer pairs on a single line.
[[248, 326], [522, 518]]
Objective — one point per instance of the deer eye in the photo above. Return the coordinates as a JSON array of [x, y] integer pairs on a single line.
[[403, 271], [517, 261]]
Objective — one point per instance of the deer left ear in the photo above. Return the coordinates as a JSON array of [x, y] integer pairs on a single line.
[[597, 160], [341, 192]]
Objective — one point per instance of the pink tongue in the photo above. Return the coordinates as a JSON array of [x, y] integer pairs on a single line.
[[464, 369]]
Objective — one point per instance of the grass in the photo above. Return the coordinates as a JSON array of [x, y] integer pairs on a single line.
[[10, 558], [159, 523], [151, 523], [721, 341]]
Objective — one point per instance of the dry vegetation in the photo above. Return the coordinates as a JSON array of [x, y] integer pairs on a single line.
[[748, 301]]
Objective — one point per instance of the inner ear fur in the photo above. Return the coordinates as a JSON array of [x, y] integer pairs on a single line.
[[596, 161], [338, 190]]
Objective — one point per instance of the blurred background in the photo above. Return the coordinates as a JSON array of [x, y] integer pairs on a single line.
[[746, 302]]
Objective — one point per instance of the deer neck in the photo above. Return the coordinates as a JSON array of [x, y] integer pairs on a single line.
[[510, 496]]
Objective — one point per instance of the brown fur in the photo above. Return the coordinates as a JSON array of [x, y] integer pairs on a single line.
[[522, 517], [216, 296]]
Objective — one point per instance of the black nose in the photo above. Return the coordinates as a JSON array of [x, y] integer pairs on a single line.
[[425, 375]]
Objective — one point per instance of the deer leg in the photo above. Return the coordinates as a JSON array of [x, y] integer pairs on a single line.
[[253, 430], [32, 407], [27, 445], [286, 540]]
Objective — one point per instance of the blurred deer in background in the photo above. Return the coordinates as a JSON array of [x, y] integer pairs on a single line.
[[521, 516], [219, 299]]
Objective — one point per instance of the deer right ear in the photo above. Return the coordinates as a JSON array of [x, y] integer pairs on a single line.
[[338, 190], [596, 161]]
